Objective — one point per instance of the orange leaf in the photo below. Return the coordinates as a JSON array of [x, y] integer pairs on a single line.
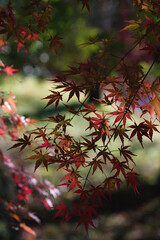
[[15, 216], [27, 229], [9, 105], [2, 43], [153, 107], [133, 25]]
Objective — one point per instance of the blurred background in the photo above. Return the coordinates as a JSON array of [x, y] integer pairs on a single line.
[[126, 216]]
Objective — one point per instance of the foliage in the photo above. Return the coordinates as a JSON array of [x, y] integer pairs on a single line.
[[26, 185], [126, 89], [34, 54]]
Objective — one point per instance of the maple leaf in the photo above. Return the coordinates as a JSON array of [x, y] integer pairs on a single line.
[[9, 105], [71, 184], [105, 154], [86, 220], [149, 24], [100, 123], [15, 216], [133, 24], [126, 153], [115, 94], [119, 166], [105, 100], [98, 193], [46, 144], [39, 133], [21, 44], [85, 4], [155, 87], [139, 130], [40, 158], [151, 127], [121, 132], [79, 159], [54, 97], [23, 142], [72, 178], [61, 123], [89, 108], [33, 36], [153, 106], [86, 215], [84, 194], [90, 145], [9, 70], [121, 114], [27, 229], [111, 183], [63, 210], [96, 164], [55, 43], [73, 88], [131, 178]]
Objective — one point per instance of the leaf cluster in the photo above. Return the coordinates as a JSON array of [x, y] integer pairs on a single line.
[[112, 119]]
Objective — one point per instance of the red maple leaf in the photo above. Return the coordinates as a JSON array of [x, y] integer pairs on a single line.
[[63, 210], [115, 93], [21, 44], [151, 127], [111, 183], [46, 144], [85, 4], [55, 43], [126, 153], [84, 194], [121, 115], [98, 193], [119, 166], [96, 164], [73, 88], [131, 178], [33, 36], [141, 130], [86, 220], [90, 145], [86, 215], [54, 97], [9, 70], [89, 108], [72, 178], [120, 132]]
